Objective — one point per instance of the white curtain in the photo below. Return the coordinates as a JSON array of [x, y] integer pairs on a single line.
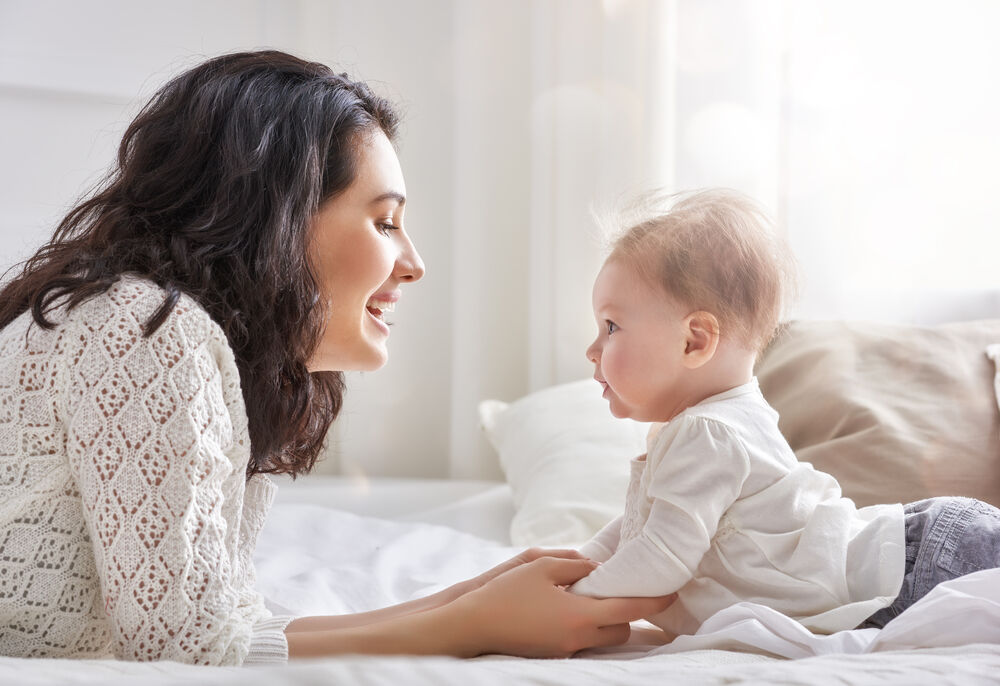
[[867, 128], [563, 107]]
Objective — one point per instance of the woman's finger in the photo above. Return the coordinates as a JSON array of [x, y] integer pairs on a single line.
[[524, 557], [618, 610], [611, 635], [532, 554], [564, 572], [563, 553]]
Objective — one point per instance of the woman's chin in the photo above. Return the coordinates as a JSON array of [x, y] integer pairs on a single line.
[[374, 357], [377, 357], [375, 366], [369, 363]]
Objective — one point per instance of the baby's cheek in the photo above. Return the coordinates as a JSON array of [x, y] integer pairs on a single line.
[[620, 371]]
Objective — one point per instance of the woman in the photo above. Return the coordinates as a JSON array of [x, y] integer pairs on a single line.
[[181, 336]]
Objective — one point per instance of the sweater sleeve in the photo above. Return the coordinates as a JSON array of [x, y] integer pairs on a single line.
[[159, 458], [698, 468]]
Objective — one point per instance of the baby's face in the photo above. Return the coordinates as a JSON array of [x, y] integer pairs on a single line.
[[640, 345]]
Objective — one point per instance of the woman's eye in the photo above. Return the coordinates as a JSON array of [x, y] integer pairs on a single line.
[[612, 327], [386, 227]]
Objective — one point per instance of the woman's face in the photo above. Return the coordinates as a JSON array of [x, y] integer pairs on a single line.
[[361, 255]]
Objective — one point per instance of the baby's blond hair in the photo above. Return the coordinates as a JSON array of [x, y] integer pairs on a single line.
[[712, 250]]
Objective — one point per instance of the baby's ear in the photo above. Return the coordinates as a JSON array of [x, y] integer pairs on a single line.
[[701, 333]]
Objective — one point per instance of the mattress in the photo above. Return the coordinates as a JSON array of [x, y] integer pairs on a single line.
[[335, 545]]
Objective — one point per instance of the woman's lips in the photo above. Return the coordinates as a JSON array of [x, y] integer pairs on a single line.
[[376, 316], [379, 304]]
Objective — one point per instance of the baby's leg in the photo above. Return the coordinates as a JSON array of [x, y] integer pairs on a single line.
[[945, 538]]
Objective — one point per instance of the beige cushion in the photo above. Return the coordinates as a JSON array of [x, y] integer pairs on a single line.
[[895, 413]]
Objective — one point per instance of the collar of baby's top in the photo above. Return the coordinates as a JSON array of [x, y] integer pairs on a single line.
[[750, 386]]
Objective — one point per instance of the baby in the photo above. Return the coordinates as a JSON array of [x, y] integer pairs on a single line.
[[718, 509]]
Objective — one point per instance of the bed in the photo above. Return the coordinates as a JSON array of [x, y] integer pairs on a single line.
[[895, 412]]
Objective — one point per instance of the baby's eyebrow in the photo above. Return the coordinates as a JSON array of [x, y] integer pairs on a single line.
[[607, 311]]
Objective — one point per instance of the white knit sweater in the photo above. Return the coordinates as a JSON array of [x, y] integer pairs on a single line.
[[127, 525]]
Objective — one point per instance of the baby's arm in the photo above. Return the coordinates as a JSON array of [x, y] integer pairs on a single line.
[[604, 543], [698, 471], [645, 565]]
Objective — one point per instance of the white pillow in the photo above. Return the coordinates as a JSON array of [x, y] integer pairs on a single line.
[[566, 459]]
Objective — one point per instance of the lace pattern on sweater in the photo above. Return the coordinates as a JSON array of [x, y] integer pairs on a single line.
[[124, 529]]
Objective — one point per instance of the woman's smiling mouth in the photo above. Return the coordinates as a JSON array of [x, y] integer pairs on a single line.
[[378, 305]]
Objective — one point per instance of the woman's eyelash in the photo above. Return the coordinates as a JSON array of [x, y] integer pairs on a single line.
[[386, 227]]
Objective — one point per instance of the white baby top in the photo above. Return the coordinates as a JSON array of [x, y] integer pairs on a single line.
[[127, 524], [721, 511]]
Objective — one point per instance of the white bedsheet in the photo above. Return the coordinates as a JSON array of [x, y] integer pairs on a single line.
[[312, 559], [384, 562], [482, 508], [959, 666]]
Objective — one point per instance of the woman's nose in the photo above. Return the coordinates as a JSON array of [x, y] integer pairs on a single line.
[[409, 266]]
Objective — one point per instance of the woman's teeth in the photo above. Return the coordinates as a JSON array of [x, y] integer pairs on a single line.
[[384, 305], [379, 307]]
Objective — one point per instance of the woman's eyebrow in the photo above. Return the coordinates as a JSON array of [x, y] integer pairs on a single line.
[[390, 195]]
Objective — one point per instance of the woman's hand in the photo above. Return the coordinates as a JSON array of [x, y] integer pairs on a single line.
[[521, 608], [521, 558], [525, 610]]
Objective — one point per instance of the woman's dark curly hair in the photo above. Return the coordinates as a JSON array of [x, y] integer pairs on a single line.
[[215, 185]]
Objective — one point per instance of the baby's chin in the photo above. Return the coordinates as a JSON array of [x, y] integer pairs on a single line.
[[622, 411], [618, 409]]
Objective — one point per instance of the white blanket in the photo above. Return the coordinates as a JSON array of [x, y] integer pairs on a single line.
[[365, 563], [315, 560]]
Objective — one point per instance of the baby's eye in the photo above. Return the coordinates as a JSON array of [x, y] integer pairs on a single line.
[[612, 327]]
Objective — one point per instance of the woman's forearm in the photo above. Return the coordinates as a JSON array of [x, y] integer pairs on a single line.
[[324, 623], [438, 631], [336, 622]]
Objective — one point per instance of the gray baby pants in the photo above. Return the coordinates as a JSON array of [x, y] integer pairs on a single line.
[[945, 538]]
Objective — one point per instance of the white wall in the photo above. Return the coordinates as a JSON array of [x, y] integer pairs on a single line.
[[72, 75], [396, 421], [523, 115], [519, 116]]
